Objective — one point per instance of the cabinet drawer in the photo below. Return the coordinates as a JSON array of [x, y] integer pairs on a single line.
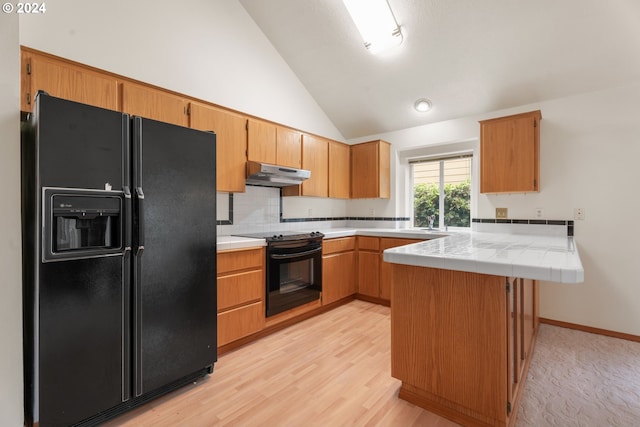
[[240, 288], [388, 243], [240, 322], [341, 244], [240, 260], [369, 243]]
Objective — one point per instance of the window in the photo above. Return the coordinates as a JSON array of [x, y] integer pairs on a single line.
[[442, 191]]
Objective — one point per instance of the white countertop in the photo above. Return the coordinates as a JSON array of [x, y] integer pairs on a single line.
[[233, 242], [549, 258]]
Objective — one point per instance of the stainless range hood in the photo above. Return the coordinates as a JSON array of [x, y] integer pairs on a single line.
[[275, 176]]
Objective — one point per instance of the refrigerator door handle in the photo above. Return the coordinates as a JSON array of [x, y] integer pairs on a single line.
[[127, 219], [140, 197]]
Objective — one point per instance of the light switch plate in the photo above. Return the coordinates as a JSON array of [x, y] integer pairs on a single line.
[[501, 213]]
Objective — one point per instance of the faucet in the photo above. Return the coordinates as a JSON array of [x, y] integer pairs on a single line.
[[431, 219]]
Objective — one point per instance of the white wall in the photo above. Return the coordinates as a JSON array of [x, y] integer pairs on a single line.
[[211, 50], [589, 158], [11, 384]]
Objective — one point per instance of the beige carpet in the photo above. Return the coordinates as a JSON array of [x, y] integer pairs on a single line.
[[581, 379]]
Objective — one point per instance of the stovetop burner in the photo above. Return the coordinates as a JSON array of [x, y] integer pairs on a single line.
[[276, 236]]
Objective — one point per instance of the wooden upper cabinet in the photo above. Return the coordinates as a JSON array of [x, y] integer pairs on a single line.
[[288, 147], [156, 104], [65, 79], [315, 158], [231, 143], [261, 141], [339, 168], [510, 153], [371, 170]]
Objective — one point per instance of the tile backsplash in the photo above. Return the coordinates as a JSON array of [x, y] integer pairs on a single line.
[[259, 209]]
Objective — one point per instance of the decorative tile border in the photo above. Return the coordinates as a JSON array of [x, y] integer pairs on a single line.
[[345, 218], [522, 221], [228, 221], [568, 223]]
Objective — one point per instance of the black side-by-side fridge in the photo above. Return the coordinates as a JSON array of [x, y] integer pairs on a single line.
[[119, 254]]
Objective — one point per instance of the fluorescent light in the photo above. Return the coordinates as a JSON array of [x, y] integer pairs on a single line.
[[376, 23]]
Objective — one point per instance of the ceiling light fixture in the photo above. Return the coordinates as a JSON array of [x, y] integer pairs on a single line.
[[422, 105], [376, 23]]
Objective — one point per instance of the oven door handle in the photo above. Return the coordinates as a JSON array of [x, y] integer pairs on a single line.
[[296, 255]]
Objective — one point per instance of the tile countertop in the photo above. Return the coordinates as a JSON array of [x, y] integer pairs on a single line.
[[549, 258], [233, 242]]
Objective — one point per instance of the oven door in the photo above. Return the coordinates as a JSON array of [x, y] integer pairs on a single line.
[[294, 275]]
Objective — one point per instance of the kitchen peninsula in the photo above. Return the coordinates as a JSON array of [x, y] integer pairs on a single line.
[[464, 319]]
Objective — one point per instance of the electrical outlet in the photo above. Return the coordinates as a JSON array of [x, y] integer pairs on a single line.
[[310, 213], [501, 213], [538, 212], [372, 212], [578, 213]]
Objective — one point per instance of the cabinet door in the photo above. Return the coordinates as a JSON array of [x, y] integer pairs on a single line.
[[369, 273], [528, 287], [261, 142], [370, 170], [338, 276], [315, 157], [514, 335], [65, 80], [156, 104], [339, 170], [509, 154], [385, 267], [288, 147], [231, 143]]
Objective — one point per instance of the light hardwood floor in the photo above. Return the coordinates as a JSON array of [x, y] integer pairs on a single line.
[[330, 370]]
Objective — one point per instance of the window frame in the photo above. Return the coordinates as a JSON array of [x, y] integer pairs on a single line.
[[471, 154]]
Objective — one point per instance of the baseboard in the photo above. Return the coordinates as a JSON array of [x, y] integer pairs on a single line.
[[605, 332]]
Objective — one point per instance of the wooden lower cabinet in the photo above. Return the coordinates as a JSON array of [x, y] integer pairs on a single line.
[[461, 342], [338, 269], [374, 275], [241, 290]]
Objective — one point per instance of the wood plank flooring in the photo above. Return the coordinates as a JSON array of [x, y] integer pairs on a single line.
[[330, 370]]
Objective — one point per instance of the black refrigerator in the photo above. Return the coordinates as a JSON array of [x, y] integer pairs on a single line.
[[119, 254]]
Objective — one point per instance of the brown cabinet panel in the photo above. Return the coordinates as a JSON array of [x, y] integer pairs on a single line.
[[370, 170], [338, 276], [242, 259], [240, 288], [340, 244], [156, 104], [339, 170], [385, 267], [240, 322], [288, 147], [509, 153], [66, 80], [261, 142], [368, 243], [315, 157], [449, 343], [369, 273], [231, 143]]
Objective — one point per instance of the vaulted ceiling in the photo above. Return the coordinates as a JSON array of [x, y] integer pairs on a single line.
[[467, 56]]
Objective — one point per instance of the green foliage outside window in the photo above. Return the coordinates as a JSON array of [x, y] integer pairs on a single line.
[[456, 204]]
